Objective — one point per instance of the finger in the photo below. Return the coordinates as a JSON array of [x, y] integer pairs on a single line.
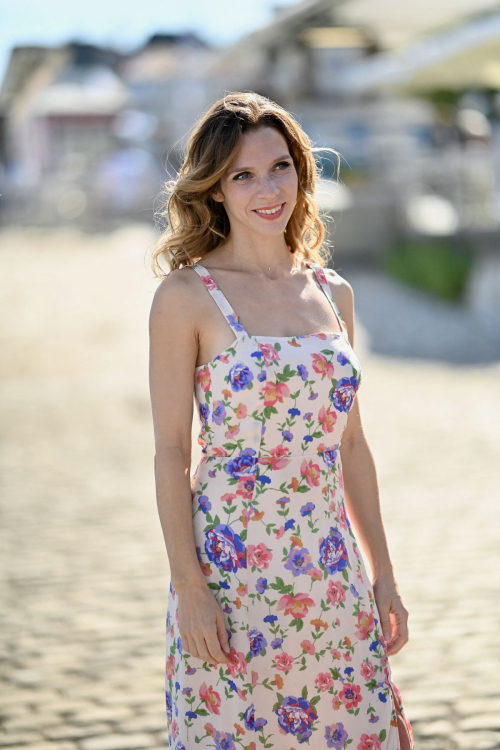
[[385, 623], [215, 650], [184, 641], [396, 645], [222, 634], [203, 651], [192, 647]]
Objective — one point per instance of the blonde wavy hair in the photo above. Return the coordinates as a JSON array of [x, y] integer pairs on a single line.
[[196, 223]]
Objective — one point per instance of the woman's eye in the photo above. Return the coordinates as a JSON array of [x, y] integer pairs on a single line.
[[280, 163]]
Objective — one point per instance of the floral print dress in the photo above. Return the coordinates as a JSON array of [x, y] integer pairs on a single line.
[[308, 661]]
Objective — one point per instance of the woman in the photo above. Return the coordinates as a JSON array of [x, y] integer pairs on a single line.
[[275, 635]]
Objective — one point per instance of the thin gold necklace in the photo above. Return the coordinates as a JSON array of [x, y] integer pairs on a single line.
[[268, 268]]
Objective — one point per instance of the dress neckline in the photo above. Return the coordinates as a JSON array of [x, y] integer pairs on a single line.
[[235, 323]]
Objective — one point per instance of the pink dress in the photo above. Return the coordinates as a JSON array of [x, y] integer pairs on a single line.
[[309, 664]]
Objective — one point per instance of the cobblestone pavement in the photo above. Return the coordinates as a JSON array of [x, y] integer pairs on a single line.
[[84, 572]]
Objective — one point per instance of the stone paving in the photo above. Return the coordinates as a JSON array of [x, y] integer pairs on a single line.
[[84, 574]]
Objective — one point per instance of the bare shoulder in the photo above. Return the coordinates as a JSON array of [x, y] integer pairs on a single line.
[[177, 303], [174, 293], [341, 289]]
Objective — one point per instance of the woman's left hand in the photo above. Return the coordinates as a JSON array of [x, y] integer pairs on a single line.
[[393, 613]]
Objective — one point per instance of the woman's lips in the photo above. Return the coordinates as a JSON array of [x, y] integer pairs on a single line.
[[271, 216]]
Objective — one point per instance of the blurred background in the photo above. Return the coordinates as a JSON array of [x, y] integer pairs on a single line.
[[96, 103]]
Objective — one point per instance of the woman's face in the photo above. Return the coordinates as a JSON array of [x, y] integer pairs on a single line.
[[262, 175]]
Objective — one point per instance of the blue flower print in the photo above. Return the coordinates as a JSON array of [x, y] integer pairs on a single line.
[[336, 736], [243, 464], [257, 641], [344, 392], [330, 457], [261, 585], [296, 716], [302, 370], [333, 552], [224, 741], [219, 412], [225, 548], [204, 411], [168, 704], [251, 722], [205, 503], [240, 377], [299, 561]]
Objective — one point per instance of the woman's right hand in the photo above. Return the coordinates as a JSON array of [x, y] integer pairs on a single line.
[[202, 624]]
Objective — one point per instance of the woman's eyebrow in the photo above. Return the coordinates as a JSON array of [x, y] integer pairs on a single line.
[[244, 169]]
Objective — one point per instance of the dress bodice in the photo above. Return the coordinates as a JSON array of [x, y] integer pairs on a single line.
[[279, 396]]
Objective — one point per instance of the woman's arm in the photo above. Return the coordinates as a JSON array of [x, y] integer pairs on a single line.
[[172, 361], [362, 502]]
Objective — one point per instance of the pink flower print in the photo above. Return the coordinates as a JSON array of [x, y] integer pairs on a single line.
[[315, 574], [170, 667], [341, 477], [324, 681], [347, 656], [209, 281], [237, 662], [242, 589], [204, 379], [365, 624], [242, 694], [218, 452], [246, 486], [210, 729], [274, 392], [320, 272], [277, 459], [322, 366], [336, 703], [211, 698], [235, 430], [259, 555], [279, 532], [284, 662], [341, 516], [228, 497], [175, 729], [205, 568], [367, 670], [269, 353], [311, 472], [369, 742], [241, 411], [336, 653], [350, 695], [297, 606], [327, 418], [335, 593], [255, 679], [309, 647], [245, 517]]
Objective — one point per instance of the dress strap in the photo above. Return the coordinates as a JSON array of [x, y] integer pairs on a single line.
[[220, 299], [319, 272]]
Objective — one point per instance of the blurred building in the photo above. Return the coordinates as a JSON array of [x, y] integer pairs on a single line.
[[409, 99], [93, 126]]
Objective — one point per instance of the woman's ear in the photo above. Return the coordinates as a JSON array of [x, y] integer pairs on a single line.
[[217, 196]]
